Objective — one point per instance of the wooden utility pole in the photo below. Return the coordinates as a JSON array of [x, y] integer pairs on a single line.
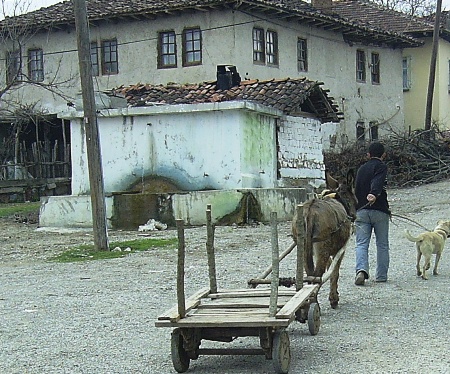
[[429, 108], [91, 128]]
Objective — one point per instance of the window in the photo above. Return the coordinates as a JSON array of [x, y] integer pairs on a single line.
[[192, 47], [375, 68], [373, 131], [259, 54], [167, 50], [406, 66], [94, 59], [302, 55], [272, 47], [360, 66], [265, 46], [36, 65], [360, 131], [13, 66], [110, 62]]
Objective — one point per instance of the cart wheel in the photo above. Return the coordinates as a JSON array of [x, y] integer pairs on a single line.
[[314, 318], [180, 359], [281, 352]]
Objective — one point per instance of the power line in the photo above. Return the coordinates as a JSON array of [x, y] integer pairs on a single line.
[[74, 50]]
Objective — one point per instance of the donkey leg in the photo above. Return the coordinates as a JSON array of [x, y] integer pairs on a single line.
[[334, 277]]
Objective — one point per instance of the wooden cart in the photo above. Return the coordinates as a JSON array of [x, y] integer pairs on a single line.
[[224, 315]]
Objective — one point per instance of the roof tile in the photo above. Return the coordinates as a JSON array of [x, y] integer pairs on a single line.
[[288, 95], [62, 13]]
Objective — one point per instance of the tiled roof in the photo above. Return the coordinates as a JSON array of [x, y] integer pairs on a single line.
[[369, 13], [445, 18], [288, 95], [372, 14], [61, 14]]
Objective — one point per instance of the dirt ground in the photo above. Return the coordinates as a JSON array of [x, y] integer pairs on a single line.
[[27, 242], [395, 327]]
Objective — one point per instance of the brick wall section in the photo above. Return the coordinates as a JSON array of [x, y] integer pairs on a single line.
[[300, 157]]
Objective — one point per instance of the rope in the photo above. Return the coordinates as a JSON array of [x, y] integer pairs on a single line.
[[410, 220], [399, 216]]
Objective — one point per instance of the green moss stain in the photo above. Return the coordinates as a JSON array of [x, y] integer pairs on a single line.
[[257, 141]]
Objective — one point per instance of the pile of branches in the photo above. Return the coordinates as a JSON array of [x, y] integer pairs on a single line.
[[412, 159]]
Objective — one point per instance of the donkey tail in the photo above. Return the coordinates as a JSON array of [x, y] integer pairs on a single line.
[[309, 260], [410, 237]]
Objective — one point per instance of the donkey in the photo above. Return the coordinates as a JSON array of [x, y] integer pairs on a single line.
[[328, 226]]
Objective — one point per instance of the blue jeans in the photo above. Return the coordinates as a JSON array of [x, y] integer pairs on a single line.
[[366, 221]]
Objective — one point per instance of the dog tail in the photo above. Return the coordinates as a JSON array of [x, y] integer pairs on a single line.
[[410, 237]]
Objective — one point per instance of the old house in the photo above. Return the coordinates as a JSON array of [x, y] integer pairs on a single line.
[[221, 142], [415, 61], [158, 42], [184, 41]]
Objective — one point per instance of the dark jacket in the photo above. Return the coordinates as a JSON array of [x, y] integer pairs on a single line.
[[371, 179]]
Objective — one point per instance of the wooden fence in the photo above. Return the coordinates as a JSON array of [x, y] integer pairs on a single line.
[[43, 160]]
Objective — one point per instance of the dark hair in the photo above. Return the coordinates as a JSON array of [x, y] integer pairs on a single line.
[[376, 149]]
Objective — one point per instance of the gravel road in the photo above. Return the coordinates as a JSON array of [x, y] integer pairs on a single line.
[[98, 317]]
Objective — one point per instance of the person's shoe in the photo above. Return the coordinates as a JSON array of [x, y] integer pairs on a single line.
[[360, 278], [380, 280]]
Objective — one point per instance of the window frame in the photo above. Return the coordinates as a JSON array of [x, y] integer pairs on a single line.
[[95, 66], [374, 134], [35, 64], [110, 57], [259, 45], [272, 47], [360, 132], [167, 49], [13, 66], [302, 54], [375, 68], [192, 46], [406, 73], [360, 66]]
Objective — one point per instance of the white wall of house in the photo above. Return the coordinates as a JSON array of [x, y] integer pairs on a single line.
[[331, 61], [219, 146], [226, 149]]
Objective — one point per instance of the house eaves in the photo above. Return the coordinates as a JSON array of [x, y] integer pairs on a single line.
[[290, 96], [444, 29], [61, 16]]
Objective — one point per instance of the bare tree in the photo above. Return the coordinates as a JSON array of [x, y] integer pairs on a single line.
[[14, 35], [20, 72]]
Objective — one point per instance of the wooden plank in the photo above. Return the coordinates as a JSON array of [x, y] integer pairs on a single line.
[[181, 298], [282, 256], [225, 321], [251, 292], [210, 228], [289, 309], [300, 239], [244, 302], [229, 311], [330, 270], [275, 278], [191, 302]]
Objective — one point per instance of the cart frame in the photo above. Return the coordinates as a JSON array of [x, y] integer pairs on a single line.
[[224, 315]]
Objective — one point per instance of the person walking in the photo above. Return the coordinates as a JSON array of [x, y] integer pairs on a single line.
[[372, 214]]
